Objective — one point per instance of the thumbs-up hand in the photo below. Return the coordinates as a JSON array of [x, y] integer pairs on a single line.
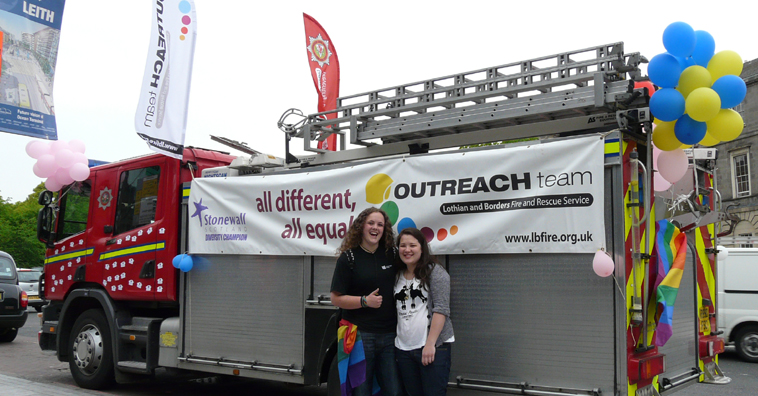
[[374, 300]]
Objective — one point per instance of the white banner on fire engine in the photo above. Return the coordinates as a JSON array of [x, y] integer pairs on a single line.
[[538, 198]]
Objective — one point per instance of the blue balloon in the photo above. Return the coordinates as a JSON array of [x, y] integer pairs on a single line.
[[667, 104], [186, 263], [679, 39], [177, 259], [404, 223], [731, 90], [664, 70], [705, 47], [685, 62], [689, 131]]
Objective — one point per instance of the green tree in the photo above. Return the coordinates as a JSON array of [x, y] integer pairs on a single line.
[[18, 230]]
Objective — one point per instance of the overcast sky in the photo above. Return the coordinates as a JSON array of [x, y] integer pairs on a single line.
[[251, 64]]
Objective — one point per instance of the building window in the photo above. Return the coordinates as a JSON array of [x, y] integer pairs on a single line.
[[740, 108], [740, 173]]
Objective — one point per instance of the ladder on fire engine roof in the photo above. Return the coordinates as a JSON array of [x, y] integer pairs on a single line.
[[567, 92]]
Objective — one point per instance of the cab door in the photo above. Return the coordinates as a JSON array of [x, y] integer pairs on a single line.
[[127, 254]]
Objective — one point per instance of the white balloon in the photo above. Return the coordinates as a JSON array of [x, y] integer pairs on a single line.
[[602, 264], [723, 253]]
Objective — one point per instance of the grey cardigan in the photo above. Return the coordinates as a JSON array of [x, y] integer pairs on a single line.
[[439, 301]]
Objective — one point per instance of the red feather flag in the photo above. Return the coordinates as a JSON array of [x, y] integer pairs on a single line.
[[325, 70]]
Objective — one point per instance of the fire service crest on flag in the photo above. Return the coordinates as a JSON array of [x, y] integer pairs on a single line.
[[319, 49]]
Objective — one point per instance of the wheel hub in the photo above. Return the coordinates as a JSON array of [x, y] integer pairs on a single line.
[[88, 349], [750, 344]]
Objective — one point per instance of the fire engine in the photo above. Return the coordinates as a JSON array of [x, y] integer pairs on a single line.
[[530, 315]]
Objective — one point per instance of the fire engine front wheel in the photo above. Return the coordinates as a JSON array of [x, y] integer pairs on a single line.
[[746, 344], [91, 355]]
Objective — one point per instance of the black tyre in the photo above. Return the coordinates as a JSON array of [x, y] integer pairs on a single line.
[[91, 355], [9, 334], [746, 344], [333, 381]]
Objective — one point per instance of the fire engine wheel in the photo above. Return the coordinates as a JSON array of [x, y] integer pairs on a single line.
[[9, 334], [333, 381], [746, 344], [91, 356]]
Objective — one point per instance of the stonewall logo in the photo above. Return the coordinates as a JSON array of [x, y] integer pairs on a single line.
[[379, 191], [221, 228]]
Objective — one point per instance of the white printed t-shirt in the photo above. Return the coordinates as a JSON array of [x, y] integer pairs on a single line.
[[412, 314]]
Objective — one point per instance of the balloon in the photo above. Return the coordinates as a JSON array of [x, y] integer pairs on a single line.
[[76, 146], [64, 158], [664, 136], [726, 126], [58, 145], [645, 84], [689, 131], [692, 78], [667, 104], [684, 63], [61, 176], [705, 46], [664, 70], [37, 148], [177, 259], [723, 253], [602, 264], [659, 183], [703, 104], [673, 165], [709, 141], [46, 165], [52, 185], [679, 39], [79, 172], [80, 158], [185, 264], [731, 89], [723, 63]]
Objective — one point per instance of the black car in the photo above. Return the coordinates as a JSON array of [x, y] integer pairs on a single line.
[[13, 300]]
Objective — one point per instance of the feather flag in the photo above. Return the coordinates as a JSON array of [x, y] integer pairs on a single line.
[[325, 70], [671, 252]]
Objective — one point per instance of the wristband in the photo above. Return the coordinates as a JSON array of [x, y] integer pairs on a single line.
[[364, 304]]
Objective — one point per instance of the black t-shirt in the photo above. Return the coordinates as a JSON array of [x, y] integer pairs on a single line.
[[370, 271]]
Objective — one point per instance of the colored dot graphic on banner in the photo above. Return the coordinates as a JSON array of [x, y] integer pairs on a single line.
[[185, 7]]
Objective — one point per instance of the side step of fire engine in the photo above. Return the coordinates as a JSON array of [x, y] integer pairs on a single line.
[[138, 345]]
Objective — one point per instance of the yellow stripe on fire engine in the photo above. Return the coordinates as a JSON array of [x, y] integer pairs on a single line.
[[612, 148], [185, 192], [69, 256], [133, 250]]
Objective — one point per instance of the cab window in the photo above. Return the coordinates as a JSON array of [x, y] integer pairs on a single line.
[[74, 210], [7, 269], [137, 198]]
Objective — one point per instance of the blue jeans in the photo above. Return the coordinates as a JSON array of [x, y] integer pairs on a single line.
[[380, 361], [420, 380]]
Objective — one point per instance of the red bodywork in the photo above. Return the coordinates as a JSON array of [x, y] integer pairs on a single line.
[[116, 262]]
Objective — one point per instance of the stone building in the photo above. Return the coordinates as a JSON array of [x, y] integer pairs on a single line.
[[737, 170]]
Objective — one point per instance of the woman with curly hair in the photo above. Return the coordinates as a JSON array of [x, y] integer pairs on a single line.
[[424, 331], [362, 286]]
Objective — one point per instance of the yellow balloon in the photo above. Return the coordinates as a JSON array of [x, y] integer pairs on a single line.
[[692, 78], [664, 137], [685, 146], [723, 63], [702, 104], [709, 141], [726, 126]]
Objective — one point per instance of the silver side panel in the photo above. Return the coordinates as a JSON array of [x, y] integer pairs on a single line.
[[246, 308], [322, 275]]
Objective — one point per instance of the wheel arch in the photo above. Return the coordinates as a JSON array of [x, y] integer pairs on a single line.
[[77, 302], [738, 328]]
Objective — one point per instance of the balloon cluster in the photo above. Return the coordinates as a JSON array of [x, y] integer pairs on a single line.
[[698, 88], [183, 262], [60, 162]]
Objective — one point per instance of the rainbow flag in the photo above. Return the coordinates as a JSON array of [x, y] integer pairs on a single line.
[[351, 361], [671, 252]]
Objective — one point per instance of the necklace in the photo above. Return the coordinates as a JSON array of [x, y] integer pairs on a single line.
[[367, 250]]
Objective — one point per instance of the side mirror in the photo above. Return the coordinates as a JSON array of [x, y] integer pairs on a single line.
[[45, 198], [45, 226]]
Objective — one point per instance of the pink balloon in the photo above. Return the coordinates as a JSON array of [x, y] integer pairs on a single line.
[[58, 145], [602, 264], [52, 185], [36, 148], [659, 183], [79, 172], [80, 158], [76, 146], [62, 177], [673, 165], [64, 158], [46, 165], [656, 153]]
